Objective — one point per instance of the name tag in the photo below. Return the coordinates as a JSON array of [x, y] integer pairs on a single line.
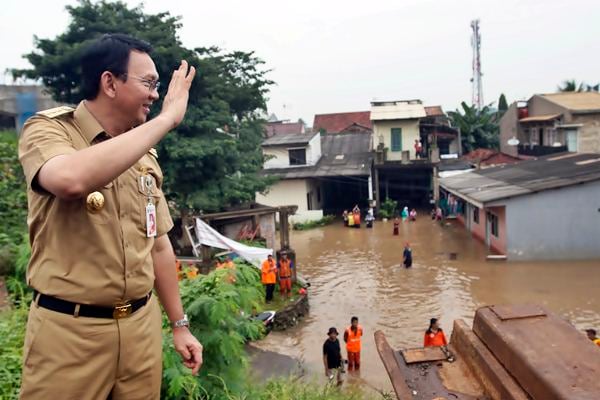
[[150, 220]]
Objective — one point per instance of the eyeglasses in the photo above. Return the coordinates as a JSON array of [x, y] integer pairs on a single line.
[[149, 83]]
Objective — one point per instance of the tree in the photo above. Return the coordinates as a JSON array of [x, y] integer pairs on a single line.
[[502, 105], [570, 85], [479, 128], [204, 169]]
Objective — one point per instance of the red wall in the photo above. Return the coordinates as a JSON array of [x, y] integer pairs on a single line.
[[478, 230]]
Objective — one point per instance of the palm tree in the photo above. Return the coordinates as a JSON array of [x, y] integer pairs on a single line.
[[570, 85]]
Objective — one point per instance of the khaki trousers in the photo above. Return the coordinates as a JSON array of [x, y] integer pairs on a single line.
[[91, 358]]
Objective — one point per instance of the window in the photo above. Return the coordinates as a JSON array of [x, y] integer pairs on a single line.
[[309, 201], [396, 139], [319, 194], [493, 218], [476, 215], [297, 156]]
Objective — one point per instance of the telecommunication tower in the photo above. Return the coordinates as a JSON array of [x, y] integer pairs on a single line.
[[476, 79]]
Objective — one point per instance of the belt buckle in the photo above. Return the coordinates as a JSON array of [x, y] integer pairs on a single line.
[[122, 311]]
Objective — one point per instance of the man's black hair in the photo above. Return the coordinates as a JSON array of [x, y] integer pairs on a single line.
[[110, 53], [354, 319]]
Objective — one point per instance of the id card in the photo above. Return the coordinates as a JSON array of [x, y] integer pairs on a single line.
[[150, 220]]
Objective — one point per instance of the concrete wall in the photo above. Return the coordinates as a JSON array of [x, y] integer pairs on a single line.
[[509, 127], [295, 192], [477, 229], [588, 136], [555, 224], [410, 132], [279, 156]]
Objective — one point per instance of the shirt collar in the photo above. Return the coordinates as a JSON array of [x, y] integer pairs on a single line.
[[90, 127]]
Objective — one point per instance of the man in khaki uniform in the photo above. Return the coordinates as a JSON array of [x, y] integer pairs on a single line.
[[98, 224]]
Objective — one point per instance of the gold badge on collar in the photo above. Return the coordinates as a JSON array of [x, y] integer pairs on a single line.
[[95, 202]]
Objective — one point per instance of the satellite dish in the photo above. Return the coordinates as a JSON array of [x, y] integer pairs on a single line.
[[513, 141]]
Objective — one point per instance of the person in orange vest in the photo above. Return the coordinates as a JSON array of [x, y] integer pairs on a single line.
[[352, 337], [269, 277], [284, 269], [228, 264], [434, 336], [591, 334]]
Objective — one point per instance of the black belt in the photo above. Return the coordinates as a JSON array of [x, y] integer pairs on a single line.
[[285, 277], [86, 310]]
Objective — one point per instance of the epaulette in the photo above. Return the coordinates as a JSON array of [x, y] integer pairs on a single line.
[[56, 112], [153, 152]]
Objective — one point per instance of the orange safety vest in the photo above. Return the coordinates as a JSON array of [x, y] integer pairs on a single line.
[[268, 272], [435, 339], [353, 339], [285, 270]]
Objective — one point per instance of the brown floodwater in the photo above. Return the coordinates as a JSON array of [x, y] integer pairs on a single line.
[[359, 272]]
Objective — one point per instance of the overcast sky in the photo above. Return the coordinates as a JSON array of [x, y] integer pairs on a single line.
[[334, 56]]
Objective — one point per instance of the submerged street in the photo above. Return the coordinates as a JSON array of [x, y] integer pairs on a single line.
[[359, 272]]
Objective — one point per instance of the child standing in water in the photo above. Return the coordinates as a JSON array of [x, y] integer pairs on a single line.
[[396, 226]]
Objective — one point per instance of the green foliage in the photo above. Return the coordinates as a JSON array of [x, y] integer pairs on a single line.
[[502, 105], [13, 201], [302, 226], [479, 128], [204, 170], [289, 389], [12, 336], [388, 208], [571, 85], [218, 312]]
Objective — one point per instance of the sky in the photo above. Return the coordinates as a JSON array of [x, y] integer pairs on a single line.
[[337, 56]]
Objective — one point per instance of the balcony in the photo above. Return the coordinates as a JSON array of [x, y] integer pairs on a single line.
[[538, 151]]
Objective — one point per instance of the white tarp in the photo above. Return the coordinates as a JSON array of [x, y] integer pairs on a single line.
[[209, 237]]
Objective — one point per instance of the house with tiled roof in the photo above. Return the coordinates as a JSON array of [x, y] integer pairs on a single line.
[[552, 123], [359, 121]]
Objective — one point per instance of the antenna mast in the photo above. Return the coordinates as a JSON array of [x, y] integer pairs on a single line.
[[477, 99]]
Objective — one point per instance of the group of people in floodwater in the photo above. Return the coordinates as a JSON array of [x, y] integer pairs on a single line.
[[332, 353]]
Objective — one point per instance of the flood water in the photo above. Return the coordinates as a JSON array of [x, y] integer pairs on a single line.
[[359, 272]]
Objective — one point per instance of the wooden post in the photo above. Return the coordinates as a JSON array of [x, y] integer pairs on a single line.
[[377, 197]]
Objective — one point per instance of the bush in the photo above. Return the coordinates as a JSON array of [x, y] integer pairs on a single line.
[[12, 336], [302, 226], [13, 201], [388, 208]]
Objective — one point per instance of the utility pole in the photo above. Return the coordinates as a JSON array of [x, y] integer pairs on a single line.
[[477, 98]]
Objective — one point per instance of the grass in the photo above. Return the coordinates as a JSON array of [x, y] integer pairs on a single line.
[[302, 226], [279, 302]]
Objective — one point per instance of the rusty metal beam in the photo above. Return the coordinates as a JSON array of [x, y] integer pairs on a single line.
[[493, 377], [546, 355], [391, 366]]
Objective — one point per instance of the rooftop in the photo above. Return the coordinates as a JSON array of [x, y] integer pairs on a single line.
[[340, 122], [289, 139], [343, 154], [401, 109], [525, 177], [283, 128], [576, 101], [434, 111]]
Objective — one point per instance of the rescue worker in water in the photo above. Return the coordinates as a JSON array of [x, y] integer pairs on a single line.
[[352, 337]]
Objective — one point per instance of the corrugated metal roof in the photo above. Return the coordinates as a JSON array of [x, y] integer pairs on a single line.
[[289, 139], [526, 177], [389, 110], [575, 101], [356, 160], [540, 118]]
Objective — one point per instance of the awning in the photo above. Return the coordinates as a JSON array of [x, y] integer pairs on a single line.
[[540, 118]]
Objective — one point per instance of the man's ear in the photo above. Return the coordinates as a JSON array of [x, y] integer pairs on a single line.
[[108, 84]]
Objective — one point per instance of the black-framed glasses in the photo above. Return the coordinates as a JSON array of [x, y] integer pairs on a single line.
[[151, 84]]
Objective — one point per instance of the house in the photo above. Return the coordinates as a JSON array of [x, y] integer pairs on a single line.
[[358, 122], [284, 127], [552, 123], [321, 174], [546, 208], [19, 102], [399, 172]]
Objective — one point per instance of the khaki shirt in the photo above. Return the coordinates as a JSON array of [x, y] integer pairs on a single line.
[[89, 258]]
